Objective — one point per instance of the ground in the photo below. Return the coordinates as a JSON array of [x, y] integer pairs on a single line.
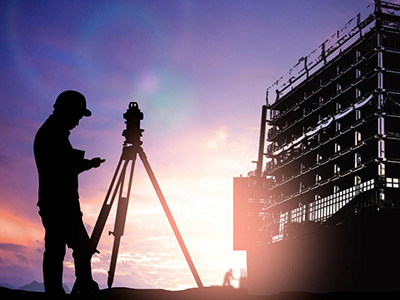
[[209, 293]]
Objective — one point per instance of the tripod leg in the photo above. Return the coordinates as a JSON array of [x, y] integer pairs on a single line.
[[104, 212], [105, 209], [171, 220], [120, 221], [113, 262]]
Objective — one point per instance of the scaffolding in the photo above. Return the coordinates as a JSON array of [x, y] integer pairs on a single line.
[[333, 136]]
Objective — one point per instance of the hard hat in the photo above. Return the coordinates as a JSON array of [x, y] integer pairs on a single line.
[[72, 101]]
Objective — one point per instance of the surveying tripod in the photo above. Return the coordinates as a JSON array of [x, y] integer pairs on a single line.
[[131, 149]]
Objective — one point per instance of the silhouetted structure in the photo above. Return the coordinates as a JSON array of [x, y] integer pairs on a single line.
[[243, 279], [324, 213], [58, 166]]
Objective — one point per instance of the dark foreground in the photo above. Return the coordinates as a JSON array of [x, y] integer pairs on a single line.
[[209, 293]]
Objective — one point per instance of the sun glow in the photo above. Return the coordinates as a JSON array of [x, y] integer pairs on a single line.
[[200, 200]]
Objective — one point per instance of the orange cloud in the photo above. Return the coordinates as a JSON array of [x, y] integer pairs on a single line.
[[18, 230]]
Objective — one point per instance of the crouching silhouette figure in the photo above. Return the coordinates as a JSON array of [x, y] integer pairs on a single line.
[[58, 166], [227, 278]]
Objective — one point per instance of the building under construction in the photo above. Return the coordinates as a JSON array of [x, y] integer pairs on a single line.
[[321, 211]]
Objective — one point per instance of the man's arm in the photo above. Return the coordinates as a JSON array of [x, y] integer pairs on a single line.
[[83, 164], [96, 162], [88, 164]]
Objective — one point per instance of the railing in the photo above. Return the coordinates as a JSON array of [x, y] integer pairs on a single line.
[[338, 41]]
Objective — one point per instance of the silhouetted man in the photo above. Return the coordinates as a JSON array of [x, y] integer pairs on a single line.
[[58, 166], [227, 278]]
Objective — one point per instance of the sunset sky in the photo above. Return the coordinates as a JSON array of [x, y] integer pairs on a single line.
[[199, 71]]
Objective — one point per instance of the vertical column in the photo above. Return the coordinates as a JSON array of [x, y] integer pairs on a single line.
[[380, 102], [381, 146]]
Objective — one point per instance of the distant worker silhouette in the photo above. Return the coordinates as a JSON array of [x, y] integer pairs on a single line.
[[227, 278], [58, 166]]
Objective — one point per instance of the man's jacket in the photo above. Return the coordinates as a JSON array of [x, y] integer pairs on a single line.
[[58, 166]]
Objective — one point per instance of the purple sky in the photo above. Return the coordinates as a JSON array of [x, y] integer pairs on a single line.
[[199, 71]]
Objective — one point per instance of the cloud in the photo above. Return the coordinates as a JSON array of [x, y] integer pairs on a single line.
[[17, 230], [13, 247], [19, 264], [21, 258], [218, 140]]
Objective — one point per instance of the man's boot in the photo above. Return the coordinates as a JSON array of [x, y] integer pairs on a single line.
[[83, 272]]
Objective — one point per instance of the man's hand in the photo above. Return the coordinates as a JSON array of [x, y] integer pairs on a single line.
[[96, 162]]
